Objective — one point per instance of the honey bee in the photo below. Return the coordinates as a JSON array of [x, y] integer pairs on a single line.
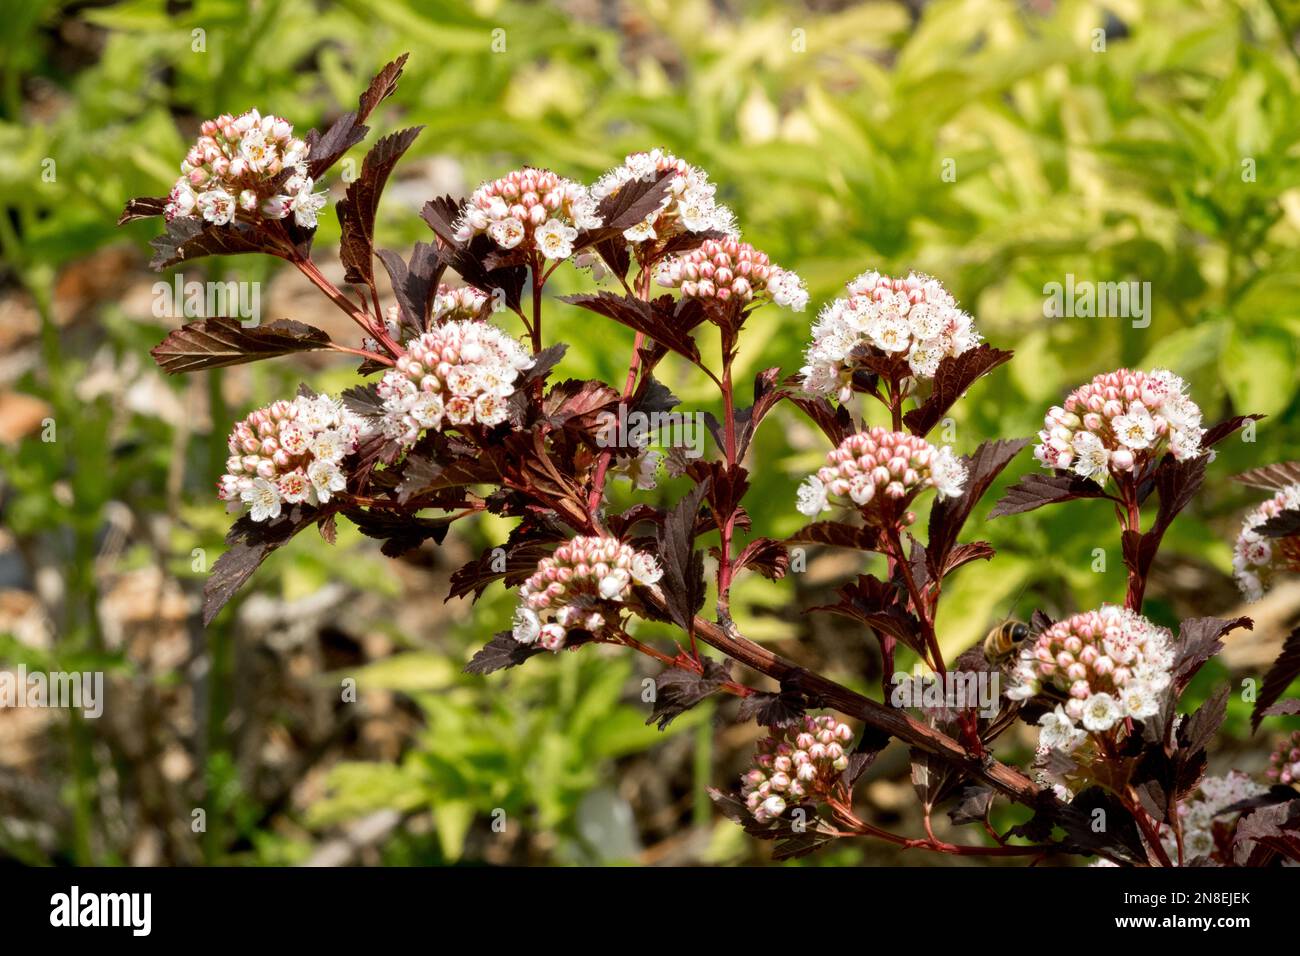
[[1004, 640]]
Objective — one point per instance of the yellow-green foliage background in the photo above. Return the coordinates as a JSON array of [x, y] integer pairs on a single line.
[[1167, 153]]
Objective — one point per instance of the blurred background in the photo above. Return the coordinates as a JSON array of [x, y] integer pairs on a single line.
[[997, 145]]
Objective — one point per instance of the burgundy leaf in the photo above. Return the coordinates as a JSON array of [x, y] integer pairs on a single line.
[[766, 556], [834, 420], [415, 286], [1036, 490], [670, 328], [683, 566], [838, 534], [1284, 524], [349, 129], [186, 238], [250, 542], [358, 208], [1199, 639], [215, 343], [1279, 677], [1217, 433], [949, 515], [678, 690], [399, 531], [954, 376], [143, 207], [1274, 477]]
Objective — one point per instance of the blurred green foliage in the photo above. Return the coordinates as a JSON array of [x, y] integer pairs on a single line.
[[995, 147]]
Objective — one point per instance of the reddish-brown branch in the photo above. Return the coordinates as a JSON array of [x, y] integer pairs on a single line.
[[895, 723]]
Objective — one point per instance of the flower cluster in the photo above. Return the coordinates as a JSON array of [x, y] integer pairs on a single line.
[[243, 166], [689, 205], [878, 464], [1284, 762], [725, 268], [1257, 559], [289, 452], [452, 303], [1118, 421], [1112, 664], [530, 209], [457, 373], [914, 318], [801, 761], [1199, 813], [581, 584]]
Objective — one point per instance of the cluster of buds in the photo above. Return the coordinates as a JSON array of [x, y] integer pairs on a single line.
[[689, 205], [450, 304], [1118, 422], [1111, 664], [1284, 762], [801, 762], [530, 209], [723, 269], [583, 584], [289, 452], [1199, 814], [1257, 559], [458, 373], [248, 166], [881, 466], [915, 319]]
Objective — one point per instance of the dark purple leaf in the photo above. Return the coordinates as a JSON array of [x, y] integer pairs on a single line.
[[349, 129], [1279, 677], [954, 376], [250, 542], [215, 343]]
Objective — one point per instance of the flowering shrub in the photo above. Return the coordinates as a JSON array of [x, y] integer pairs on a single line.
[[455, 415]]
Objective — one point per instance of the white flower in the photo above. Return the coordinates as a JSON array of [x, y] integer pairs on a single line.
[[555, 239], [306, 205], [1092, 459], [890, 335], [645, 569], [1139, 701], [611, 587], [1100, 712], [948, 473], [1059, 732], [217, 206], [924, 357], [294, 487], [506, 233], [527, 625], [326, 478], [812, 497], [329, 445], [1135, 430], [427, 410], [264, 499]]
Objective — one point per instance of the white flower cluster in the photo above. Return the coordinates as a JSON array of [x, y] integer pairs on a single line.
[[236, 168], [1112, 664], [1199, 813], [802, 761], [724, 269], [458, 373], [880, 465], [1256, 559], [1118, 421], [913, 319], [580, 585], [689, 205], [531, 209], [288, 453]]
